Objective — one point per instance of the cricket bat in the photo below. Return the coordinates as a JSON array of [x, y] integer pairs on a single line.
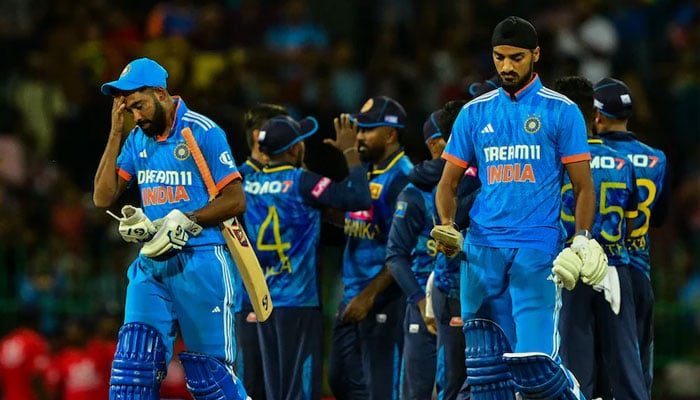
[[236, 241]]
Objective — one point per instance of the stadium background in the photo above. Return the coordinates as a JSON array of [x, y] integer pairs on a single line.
[[61, 257]]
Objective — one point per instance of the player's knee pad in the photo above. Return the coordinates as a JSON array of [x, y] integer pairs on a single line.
[[209, 379], [488, 376], [538, 376], [139, 364]]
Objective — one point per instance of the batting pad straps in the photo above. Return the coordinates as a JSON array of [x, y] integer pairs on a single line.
[[209, 379], [139, 364], [487, 375], [538, 376]]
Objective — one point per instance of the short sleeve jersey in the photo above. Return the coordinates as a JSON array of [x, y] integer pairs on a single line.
[[166, 173], [284, 229], [650, 170], [519, 144], [616, 200], [367, 231]]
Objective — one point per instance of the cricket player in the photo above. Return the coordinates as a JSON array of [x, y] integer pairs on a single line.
[[523, 137], [249, 364], [184, 271], [597, 325], [614, 106], [283, 218], [367, 339]]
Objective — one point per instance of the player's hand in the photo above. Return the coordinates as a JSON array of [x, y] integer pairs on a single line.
[[358, 308], [345, 133], [429, 321], [595, 262], [567, 268], [448, 239], [134, 225], [118, 106], [173, 232]]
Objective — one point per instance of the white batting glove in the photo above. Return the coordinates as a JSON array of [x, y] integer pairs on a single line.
[[134, 225], [567, 268], [173, 233], [595, 262]]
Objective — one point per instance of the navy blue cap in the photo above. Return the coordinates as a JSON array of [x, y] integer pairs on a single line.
[[476, 89], [430, 127], [142, 72], [613, 98], [278, 134], [380, 111]]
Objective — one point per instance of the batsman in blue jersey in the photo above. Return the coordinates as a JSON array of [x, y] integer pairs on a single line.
[[522, 137], [183, 275], [367, 335], [249, 363], [432, 349], [597, 325], [283, 218], [614, 106]]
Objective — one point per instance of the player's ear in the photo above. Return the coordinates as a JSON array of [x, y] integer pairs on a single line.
[[536, 54]]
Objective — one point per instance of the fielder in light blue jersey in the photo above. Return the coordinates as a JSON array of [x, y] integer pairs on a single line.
[[614, 106], [284, 223], [522, 137], [184, 272]]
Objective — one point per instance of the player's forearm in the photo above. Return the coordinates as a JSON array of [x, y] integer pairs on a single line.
[[585, 208], [230, 203], [446, 201], [106, 181], [379, 283]]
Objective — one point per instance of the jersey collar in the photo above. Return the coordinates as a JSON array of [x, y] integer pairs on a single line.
[[388, 163], [180, 109], [618, 135], [532, 87], [278, 167]]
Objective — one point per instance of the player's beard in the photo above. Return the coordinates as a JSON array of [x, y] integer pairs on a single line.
[[512, 86], [156, 125], [370, 154]]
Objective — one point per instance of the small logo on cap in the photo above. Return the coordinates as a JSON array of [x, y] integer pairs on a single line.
[[126, 70], [626, 99], [367, 106], [393, 119]]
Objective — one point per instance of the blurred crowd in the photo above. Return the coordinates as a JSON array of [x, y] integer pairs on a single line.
[[58, 254]]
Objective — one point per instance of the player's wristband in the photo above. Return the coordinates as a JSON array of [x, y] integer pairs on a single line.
[[585, 233], [348, 150]]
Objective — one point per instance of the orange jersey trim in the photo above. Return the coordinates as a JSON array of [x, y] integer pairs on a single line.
[[454, 160], [576, 158], [228, 180], [123, 174]]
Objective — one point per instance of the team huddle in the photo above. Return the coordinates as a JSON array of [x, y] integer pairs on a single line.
[[514, 263]]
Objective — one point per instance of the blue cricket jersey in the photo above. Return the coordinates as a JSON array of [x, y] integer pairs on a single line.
[[650, 169], [283, 219], [166, 173], [616, 200], [367, 231], [519, 144]]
